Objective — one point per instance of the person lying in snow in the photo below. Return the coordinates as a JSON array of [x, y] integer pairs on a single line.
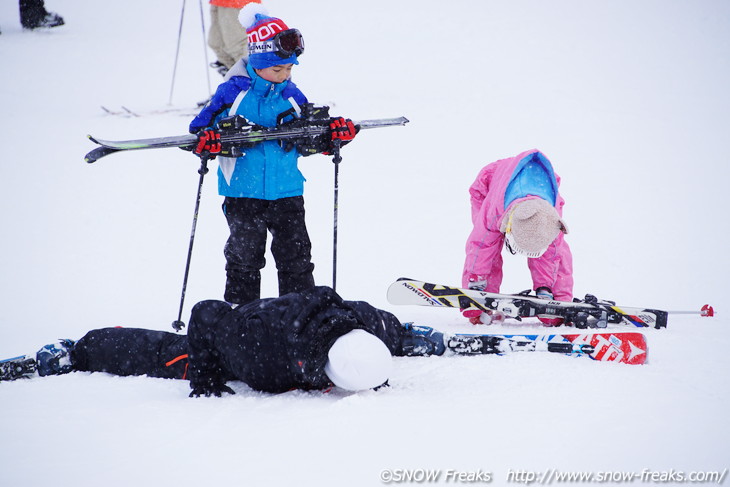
[[515, 203], [307, 340]]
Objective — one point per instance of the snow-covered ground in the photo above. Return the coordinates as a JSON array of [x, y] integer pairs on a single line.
[[628, 99]]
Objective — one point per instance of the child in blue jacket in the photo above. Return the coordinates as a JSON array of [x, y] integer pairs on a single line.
[[263, 188]]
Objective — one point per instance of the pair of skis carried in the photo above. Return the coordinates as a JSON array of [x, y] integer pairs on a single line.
[[243, 134], [629, 347]]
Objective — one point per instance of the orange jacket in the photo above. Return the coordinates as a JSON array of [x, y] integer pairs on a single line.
[[232, 3]]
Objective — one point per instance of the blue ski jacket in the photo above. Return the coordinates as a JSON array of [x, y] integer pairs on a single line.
[[266, 171]]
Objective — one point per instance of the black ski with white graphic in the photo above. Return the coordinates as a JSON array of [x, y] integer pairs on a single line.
[[627, 347], [244, 133], [620, 347], [487, 344], [20, 367], [590, 312]]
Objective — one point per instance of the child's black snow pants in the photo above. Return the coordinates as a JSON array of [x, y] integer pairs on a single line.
[[249, 221]]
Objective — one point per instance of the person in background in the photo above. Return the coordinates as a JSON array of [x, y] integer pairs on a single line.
[[227, 37], [515, 203]]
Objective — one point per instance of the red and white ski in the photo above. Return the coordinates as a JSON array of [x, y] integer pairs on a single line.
[[622, 347]]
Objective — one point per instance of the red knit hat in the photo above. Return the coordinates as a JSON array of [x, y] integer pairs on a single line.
[[265, 46]]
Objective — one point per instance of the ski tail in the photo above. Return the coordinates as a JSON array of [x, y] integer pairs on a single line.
[[96, 154]]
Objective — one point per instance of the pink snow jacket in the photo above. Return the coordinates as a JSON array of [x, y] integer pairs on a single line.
[[493, 193]]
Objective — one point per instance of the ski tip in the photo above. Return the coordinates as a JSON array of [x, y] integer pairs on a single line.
[[707, 310]]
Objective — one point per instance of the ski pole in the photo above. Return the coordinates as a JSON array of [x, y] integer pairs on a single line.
[[205, 157], [177, 52], [205, 46], [706, 310], [336, 159]]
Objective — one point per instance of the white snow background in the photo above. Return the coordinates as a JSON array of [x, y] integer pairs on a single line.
[[628, 99]]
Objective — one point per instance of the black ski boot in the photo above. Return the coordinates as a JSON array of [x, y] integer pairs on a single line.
[[33, 15], [55, 358], [50, 20], [421, 341], [220, 67]]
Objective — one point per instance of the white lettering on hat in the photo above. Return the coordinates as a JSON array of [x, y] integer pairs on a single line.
[[261, 47], [266, 31]]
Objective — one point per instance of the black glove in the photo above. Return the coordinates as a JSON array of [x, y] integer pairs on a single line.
[[340, 128], [308, 146], [233, 125], [209, 388], [310, 116]]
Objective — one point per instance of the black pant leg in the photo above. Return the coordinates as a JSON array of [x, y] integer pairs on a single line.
[[245, 248], [290, 245], [132, 351], [31, 12]]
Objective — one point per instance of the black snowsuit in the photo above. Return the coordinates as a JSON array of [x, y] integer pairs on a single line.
[[273, 345]]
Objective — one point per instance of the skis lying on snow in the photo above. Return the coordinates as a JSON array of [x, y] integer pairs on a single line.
[[622, 347], [246, 134], [18, 367], [591, 312]]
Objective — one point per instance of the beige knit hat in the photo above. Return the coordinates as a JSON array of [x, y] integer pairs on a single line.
[[531, 226]]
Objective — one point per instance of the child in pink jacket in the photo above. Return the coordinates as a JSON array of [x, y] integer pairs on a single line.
[[515, 202]]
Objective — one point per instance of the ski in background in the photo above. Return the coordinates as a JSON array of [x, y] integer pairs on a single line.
[[126, 112], [589, 313]]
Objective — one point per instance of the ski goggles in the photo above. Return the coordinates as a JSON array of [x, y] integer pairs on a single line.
[[514, 248], [284, 44]]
